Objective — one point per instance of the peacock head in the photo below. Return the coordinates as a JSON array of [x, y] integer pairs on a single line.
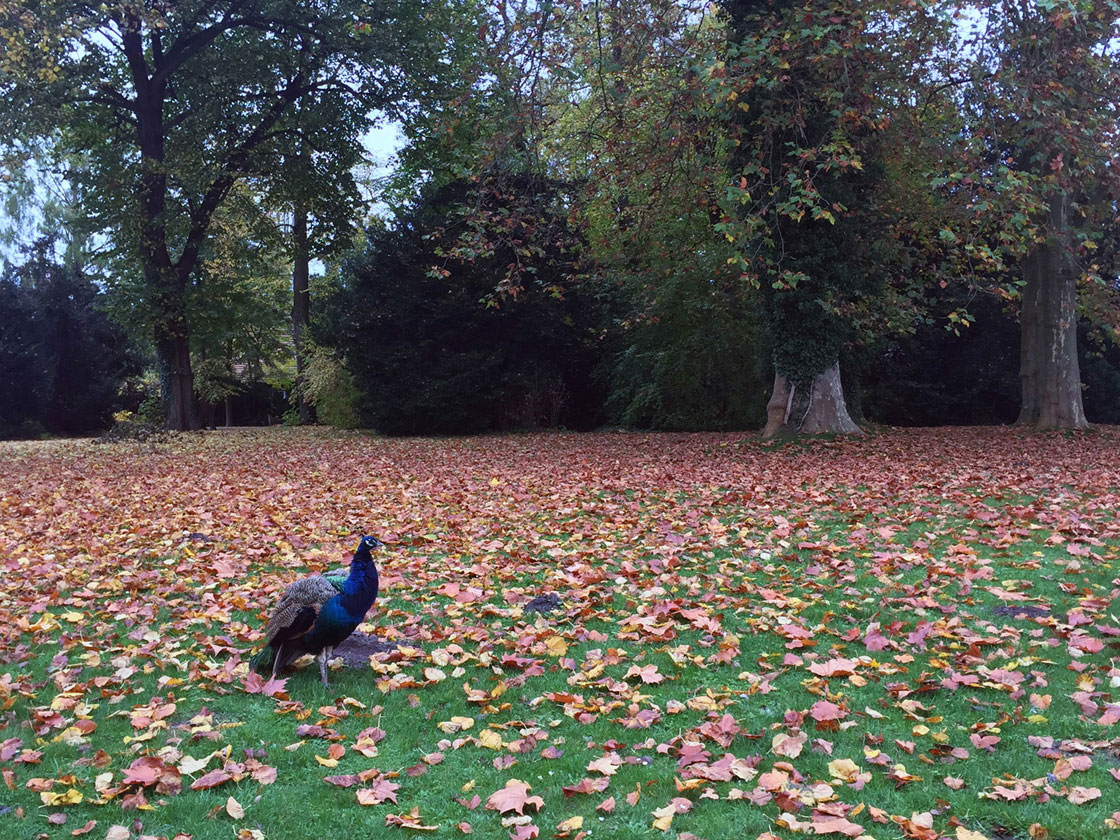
[[368, 544]]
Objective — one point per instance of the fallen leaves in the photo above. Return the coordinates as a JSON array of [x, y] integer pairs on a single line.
[[382, 791], [742, 626], [234, 809], [513, 797], [411, 820]]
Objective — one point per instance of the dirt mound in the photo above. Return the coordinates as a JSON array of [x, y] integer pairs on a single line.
[[356, 650]]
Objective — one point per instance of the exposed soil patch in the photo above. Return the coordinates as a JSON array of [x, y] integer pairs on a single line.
[[545, 603], [1025, 609], [356, 650]]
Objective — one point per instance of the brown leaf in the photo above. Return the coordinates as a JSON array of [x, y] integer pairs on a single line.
[[513, 797]]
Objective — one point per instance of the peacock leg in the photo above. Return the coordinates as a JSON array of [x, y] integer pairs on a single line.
[[276, 661], [323, 665]]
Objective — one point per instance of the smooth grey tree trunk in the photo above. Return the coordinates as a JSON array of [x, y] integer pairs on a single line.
[[816, 410], [301, 303]]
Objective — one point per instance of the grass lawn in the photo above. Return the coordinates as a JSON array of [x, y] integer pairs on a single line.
[[912, 635]]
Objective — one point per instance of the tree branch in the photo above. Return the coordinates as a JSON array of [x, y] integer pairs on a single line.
[[231, 171]]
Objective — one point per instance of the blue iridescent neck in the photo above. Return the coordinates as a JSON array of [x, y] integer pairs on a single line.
[[361, 586]]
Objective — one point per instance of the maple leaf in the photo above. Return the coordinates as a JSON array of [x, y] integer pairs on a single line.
[[838, 667], [984, 742], [571, 824], [144, 771], [1081, 795], [824, 824], [843, 769], [513, 797], [607, 765], [587, 785], [382, 790], [234, 809], [789, 746], [824, 711], [263, 774], [918, 826], [648, 674], [254, 683], [73, 796]]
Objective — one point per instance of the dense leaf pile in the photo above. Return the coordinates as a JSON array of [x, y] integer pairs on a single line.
[[908, 636]]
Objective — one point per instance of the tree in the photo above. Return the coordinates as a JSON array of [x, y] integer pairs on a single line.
[[63, 363], [648, 140], [238, 302], [23, 370], [1042, 172], [317, 187], [436, 349], [798, 84], [175, 104]]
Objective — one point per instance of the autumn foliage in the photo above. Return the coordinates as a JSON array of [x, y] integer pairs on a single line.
[[911, 635]]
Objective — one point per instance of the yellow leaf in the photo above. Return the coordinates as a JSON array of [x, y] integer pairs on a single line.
[[556, 646], [490, 739], [663, 817], [844, 769], [73, 796], [327, 762], [571, 824], [968, 834]]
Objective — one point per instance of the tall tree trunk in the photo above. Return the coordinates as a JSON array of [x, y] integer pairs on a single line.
[[164, 282], [816, 410], [301, 302], [175, 362], [1048, 368]]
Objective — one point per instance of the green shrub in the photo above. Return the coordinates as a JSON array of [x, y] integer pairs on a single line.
[[330, 387]]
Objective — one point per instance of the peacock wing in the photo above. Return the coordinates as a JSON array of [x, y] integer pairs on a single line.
[[301, 601]]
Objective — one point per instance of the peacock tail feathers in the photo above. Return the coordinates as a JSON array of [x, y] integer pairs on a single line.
[[261, 661], [306, 592], [311, 591]]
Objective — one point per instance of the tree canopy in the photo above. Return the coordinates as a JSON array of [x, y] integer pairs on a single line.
[[822, 189]]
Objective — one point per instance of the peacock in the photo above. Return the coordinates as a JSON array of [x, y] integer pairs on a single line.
[[318, 612]]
